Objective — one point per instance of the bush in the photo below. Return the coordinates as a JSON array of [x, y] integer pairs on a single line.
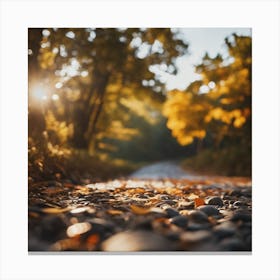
[[230, 161]]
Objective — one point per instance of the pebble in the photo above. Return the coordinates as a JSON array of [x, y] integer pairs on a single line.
[[209, 210], [142, 223], [247, 193], [226, 213], [180, 221], [198, 216], [195, 226], [171, 212], [130, 241], [239, 203], [184, 212], [225, 229], [232, 244], [52, 227], [197, 236], [215, 200], [186, 205], [172, 222], [235, 193], [164, 197], [166, 203], [241, 216], [101, 226]]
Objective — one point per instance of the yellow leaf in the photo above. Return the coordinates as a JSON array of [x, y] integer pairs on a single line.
[[114, 212], [139, 210], [55, 210]]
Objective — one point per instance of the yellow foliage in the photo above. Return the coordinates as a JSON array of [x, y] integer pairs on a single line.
[[185, 140], [106, 146], [46, 59], [120, 132], [227, 117], [224, 108], [114, 88], [226, 101], [185, 116], [238, 122], [61, 129], [139, 108]]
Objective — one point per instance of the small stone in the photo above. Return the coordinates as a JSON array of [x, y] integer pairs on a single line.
[[166, 203], [247, 193], [186, 205], [184, 212], [226, 213], [171, 212], [224, 230], [209, 210], [130, 241], [235, 193], [233, 244], [215, 200], [52, 227], [35, 244], [180, 221], [241, 216], [195, 226], [198, 216], [239, 203], [164, 197], [101, 225], [143, 196], [197, 236]]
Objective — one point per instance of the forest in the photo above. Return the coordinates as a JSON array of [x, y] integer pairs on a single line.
[[98, 106], [119, 161]]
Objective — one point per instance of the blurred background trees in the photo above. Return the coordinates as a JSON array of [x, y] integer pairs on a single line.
[[216, 111], [94, 97]]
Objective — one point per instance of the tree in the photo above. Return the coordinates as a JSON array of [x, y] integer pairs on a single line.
[[93, 68], [219, 105]]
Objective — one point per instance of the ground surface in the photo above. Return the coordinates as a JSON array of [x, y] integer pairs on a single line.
[[158, 208]]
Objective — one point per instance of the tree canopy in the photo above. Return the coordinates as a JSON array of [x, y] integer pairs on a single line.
[[99, 75], [99, 91], [218, 105]]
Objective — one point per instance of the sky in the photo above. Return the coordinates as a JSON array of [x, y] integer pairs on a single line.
[[200, 40]]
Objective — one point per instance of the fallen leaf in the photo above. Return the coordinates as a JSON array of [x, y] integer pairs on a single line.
[[55, 210], [92, 240], [66, 244], [33, 214], [198, 202], [114, 212], [140, 210]]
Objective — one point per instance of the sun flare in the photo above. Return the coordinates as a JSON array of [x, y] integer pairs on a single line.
[[40, 92]]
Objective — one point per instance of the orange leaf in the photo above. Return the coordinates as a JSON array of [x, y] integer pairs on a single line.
[[114, 212], [55, 210], [139, 210], [198, 202], [92, 241]]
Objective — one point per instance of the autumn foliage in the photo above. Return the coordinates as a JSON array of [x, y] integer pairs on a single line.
[[95, 99], [216, 110]]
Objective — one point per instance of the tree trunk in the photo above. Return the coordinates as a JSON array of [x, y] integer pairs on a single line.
[[97, 101]]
